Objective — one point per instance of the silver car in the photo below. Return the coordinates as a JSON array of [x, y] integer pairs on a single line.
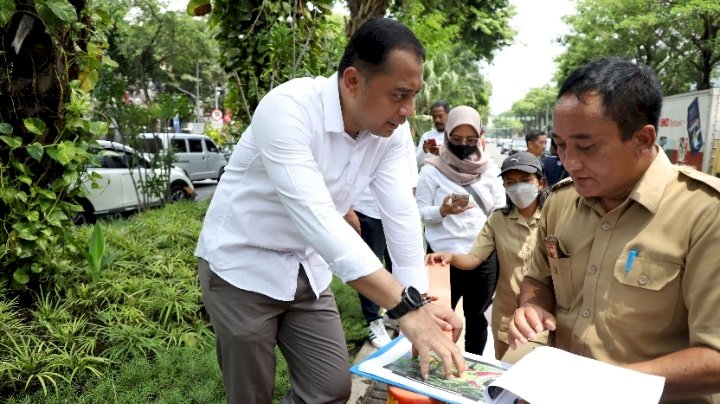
[[518, 145], [195, 153]]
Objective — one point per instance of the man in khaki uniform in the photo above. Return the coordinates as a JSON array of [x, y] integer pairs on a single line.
[[635, 278]]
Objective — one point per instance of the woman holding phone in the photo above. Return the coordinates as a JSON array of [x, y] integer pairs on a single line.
[[456, 192], [511, 233]]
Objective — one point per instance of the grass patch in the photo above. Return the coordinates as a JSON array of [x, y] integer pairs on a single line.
[[138, 333]]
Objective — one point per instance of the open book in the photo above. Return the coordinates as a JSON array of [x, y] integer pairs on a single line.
[[544, 376]]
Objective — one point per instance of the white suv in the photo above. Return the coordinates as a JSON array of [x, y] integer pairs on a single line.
[[119, 185], [195, 153]]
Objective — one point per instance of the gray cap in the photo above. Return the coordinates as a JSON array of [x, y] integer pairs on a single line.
[[522, 161]]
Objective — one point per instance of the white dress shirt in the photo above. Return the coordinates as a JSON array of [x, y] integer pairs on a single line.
[[366, 203], [456, 233], [290, 180], [431, 134]]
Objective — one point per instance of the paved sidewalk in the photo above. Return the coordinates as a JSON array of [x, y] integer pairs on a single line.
[[366, 391]]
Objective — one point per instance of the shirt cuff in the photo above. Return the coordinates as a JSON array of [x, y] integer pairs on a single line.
[[707, 336], [432, 215]]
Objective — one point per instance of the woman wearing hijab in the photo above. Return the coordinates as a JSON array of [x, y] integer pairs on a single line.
[[456, 193], [511, 233]]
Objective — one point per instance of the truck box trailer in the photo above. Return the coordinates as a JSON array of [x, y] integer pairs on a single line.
[[689, 130]]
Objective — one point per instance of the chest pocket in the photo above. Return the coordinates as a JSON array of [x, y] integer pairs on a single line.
[[645, 298]]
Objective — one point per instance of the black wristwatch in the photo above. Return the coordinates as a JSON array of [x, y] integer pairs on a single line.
[[411, 300]]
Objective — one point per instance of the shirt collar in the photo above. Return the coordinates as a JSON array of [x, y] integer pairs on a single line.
[[331, 105], [516, 215], [649, 190]]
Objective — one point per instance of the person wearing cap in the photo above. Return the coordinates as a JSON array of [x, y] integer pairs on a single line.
[[510, 231], [465, 171]]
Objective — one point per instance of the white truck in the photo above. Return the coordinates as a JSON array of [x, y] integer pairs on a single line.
[[689, 130]]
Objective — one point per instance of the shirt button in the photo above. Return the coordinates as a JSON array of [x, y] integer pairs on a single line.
[[642, 279], [606, 226], [586, 313], [592, 269]]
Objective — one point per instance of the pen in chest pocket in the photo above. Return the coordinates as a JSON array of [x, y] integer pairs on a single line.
[[630, 259]]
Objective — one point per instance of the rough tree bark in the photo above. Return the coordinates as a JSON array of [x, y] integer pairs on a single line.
[[363, 10]]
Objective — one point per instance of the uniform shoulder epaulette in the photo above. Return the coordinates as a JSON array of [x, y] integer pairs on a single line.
[[562, 183], [707, 179]]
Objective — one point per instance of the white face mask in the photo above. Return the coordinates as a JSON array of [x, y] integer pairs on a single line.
[[522, 194]]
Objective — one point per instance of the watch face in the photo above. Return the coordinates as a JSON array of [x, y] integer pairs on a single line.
[[414, 296]]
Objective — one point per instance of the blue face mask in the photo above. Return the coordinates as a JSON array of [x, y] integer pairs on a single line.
[[522, 194]]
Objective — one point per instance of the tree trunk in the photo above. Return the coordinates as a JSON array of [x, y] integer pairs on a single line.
[[363, 10], [707, 52]]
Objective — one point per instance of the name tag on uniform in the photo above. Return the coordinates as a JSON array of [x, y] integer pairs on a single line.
[[552, 246]]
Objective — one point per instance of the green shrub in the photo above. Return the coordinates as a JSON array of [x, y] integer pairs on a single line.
[[84, 340], [44, 130], [175, 375]]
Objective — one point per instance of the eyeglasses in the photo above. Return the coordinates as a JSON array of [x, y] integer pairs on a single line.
[[458, 140]]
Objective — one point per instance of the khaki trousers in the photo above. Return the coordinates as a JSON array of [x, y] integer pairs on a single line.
[[249, 325]]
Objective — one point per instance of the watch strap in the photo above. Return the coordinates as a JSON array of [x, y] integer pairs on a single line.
[[405, 306]]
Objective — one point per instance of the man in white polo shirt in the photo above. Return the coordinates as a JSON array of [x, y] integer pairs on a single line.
[[274, 232]]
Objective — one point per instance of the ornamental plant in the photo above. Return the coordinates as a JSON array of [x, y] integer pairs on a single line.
[[52, 50]]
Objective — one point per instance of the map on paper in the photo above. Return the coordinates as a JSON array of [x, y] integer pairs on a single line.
[[470, 385], [544, 376]]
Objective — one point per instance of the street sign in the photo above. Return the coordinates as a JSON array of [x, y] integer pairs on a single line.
[[217, 114]]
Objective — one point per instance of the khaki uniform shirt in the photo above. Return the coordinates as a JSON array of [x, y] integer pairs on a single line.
[[670, 298], [513, 238]]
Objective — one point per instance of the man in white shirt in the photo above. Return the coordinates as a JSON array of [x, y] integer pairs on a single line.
[[430, 142], [371, 230], [274, 232]]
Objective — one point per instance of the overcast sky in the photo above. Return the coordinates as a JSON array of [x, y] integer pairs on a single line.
[[528, 62]]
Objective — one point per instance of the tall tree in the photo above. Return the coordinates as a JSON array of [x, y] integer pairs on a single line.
[[452, 71], [455, 78], [166, 51], [265, 43], [363, 10], [48, 64], [678, 39], [484, 25], [535, 107]]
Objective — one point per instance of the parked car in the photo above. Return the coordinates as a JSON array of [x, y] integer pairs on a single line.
[[121, 173], [518, 145], [504, 145], [227, 150], [195, 153]]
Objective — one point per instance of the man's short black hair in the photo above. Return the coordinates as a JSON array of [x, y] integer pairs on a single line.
[[631, 94], [440, 104], [533, 134], [370, 46]]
